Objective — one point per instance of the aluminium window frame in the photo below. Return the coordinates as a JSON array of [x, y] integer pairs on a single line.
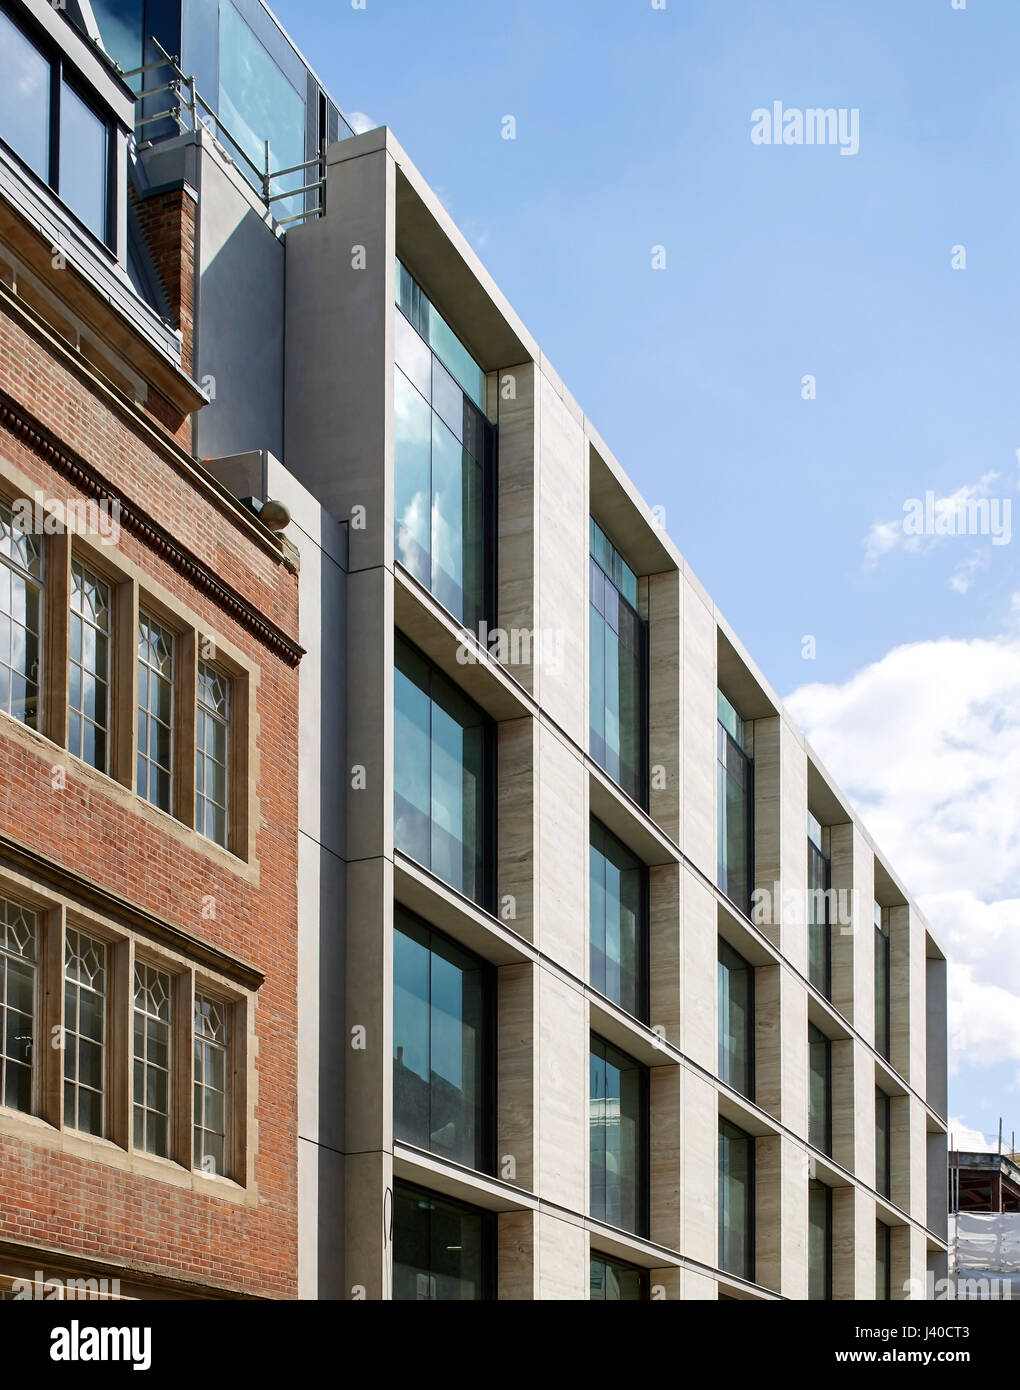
[[62, 69], [489, 1099]]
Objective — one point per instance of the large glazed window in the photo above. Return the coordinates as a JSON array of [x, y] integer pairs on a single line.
[[151, 1081], [442, 1004], [211, 1097], [819, 920], [442, 1250], [20, 621], [734, 808], [883, 1143], [819, 1089], [24, 98], [883, 1004], [212, 754], [258, 103], [614, 1281], [618, 669], [53, 129], [736, 1020], [819, 1240], [155, 712], [736, 1201], [19, 953], [84, 161], [618, 1127], [443, 780], [618, 923], [120, 27], [444, 459]]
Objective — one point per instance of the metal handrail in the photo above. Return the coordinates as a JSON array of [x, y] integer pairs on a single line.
[[194, 104]]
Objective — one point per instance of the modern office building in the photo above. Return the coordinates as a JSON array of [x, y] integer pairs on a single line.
[[602, 989]]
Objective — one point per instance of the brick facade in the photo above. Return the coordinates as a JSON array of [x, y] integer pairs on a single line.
[[53, 1201]]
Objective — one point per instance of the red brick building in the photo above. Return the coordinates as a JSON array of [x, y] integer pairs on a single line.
[[148, 763]]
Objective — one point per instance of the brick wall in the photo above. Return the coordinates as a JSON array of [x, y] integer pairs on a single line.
[[84, 1207], [168, 223]]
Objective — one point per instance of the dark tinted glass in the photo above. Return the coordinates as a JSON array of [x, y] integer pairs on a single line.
[[439, 1044], [734, 821], [84, 161], [612, 1280], [883, 1145], [736, 1034], [819, 1090], [736, 1201], [819, 1240], [442, 1250], [618, 1117], [618, 932], [819, 921], [441, 776], [618, 679]]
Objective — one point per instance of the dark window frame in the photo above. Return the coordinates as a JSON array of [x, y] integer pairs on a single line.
[[62, 70], [824, 1187], [747, 762], [643, 712], [747, 1275], [883, 1233], [644, 924], [827, 1147], [610, 1261], [595, 1040], [816, 856], [489, 465], [883, 1171], [749, 1059], [490, 1251], [489, 1100], [486, 898]]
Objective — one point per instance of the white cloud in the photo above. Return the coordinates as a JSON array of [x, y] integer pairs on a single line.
[[969, 1140], [926, 742], [963, 576], [359, 122]]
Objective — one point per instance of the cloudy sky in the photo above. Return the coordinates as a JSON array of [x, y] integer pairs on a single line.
[[633, 131]]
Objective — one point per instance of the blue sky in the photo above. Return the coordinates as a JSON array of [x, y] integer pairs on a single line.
[[633, 131]]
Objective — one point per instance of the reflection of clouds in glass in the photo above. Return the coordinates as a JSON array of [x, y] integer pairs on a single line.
[[411, 531]]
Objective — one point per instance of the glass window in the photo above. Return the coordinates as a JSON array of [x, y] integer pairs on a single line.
[[152, 1060], [736, 1201], [883, 1261], [442, 1250], [444, 450], [21, 607], [19, 952], [736, 1020], [883, 1143], [258, 104], [442, 1003], [612, 1279], [618, 669], [88, 698], [442, 776], [84, 161], [734, 808], [819, 1090], [819, 916], [882, 995], [84, 1036], [120, 26], [618, 927], [423, 317], [155, 711], [24, 98], [618, 1120], [819, 1240], [210, 1083], [212, 754]]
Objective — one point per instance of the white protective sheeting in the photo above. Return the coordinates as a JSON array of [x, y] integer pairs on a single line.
[[985, 1242]]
